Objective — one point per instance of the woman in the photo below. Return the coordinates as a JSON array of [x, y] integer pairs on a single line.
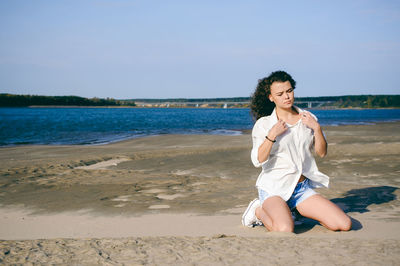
[[283, 139]]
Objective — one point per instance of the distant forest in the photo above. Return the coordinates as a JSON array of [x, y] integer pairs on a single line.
[[350, 101], [357, 101], [12, 100]]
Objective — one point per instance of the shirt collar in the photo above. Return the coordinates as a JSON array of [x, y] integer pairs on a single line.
[[275, 116]]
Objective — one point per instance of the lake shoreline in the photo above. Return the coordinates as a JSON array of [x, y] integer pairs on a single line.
[[179, 199], [185, 107]]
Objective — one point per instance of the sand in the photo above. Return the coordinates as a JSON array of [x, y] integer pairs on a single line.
[[178, 199]]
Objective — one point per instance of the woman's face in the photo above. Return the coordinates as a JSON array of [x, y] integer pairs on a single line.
[[282, 94]]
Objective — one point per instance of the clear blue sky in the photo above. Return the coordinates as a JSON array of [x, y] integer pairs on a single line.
[[193, 49]]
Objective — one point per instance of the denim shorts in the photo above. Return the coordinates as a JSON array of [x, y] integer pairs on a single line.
[[301, 192]]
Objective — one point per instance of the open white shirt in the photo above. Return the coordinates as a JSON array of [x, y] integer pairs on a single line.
[[290, 157]]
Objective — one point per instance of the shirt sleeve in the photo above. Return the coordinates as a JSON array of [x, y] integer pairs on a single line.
[[258, 136], [313, 116]]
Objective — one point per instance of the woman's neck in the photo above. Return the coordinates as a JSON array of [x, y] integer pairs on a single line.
[[287, 114]]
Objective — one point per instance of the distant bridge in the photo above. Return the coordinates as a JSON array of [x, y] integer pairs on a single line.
[[313, 104], [224, 104]]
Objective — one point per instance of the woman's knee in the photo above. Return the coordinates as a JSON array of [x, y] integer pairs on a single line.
[[287, 226], [345, 224], [278, 211], [342, 224]]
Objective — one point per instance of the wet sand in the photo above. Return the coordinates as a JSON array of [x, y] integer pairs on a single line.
[[178, 199]]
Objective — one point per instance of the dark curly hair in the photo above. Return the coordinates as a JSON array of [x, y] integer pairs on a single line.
[[260, 104]]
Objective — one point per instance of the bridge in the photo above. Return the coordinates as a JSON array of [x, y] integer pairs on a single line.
[[313, 104], [220, 104]]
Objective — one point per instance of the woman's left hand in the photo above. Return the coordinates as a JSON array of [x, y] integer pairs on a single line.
[[309, 120]]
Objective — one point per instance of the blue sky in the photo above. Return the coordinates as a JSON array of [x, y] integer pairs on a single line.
[[197, 49]]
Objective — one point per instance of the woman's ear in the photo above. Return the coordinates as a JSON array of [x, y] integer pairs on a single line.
[[270, 98]]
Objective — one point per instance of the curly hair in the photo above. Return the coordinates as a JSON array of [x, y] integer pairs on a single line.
[[260, 104]]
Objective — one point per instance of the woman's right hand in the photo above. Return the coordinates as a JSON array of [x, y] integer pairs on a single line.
[[265, 148], [278, 129]]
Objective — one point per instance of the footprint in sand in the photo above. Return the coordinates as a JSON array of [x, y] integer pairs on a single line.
[[156, 207], [169, 197], [104, 164], [122, 198], [152, 191]]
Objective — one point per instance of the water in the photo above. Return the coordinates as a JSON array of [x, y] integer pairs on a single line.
[[356, 117], [51, 126]]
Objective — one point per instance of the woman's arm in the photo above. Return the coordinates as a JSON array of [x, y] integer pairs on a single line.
[[265, 149], [320, 144]]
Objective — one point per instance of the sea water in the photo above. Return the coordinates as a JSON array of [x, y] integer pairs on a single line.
[[71, 126]]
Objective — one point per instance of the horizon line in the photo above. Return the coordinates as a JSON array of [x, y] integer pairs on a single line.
[[183, 98]]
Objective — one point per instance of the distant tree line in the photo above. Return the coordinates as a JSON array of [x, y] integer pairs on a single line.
[[13, 100], [367, 101], [349, 101], [361, 101]]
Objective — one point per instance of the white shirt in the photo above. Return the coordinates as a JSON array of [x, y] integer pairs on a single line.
[[290, 157]]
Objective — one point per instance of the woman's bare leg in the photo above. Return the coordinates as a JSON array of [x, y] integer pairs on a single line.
[[326, 212], [275, 215]]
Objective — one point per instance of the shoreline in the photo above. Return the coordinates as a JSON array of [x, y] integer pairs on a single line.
[[178, 199], [190, 107], [241, 132]]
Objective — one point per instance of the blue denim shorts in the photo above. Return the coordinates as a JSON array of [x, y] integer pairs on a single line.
[[301, 192]]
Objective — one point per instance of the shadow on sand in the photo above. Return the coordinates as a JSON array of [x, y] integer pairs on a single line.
[[355, 200]]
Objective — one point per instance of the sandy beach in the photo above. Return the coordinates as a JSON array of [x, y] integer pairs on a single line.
[[178, 199]]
